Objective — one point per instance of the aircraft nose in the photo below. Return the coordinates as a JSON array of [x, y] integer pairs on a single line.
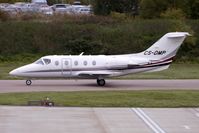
[[14, 72], [21, 71]]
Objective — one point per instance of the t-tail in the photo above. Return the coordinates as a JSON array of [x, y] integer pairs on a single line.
[[162, 52], [166, 47]]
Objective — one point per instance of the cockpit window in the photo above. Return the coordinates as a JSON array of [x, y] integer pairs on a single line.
[[47, 61], [39, 62]]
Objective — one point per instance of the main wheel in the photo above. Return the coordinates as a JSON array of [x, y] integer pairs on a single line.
[[101, 82], [28, 82]]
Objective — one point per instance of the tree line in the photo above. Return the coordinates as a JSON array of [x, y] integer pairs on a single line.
[[103, 36], [149, 8]]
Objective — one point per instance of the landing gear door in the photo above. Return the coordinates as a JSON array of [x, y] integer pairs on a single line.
[[66, 67]]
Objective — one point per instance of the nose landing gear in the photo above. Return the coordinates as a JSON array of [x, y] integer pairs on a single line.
[[101, 82], [28, 82]]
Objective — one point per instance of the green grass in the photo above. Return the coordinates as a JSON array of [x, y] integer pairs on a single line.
[[176, 71], [108, 98]]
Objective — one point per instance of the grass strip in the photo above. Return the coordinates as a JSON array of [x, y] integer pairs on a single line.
[[189, 98]]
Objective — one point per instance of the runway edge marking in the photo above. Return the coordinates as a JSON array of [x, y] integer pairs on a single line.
[[155, 127]]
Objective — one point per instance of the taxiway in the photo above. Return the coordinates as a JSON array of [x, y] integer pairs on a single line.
[[90, 85]]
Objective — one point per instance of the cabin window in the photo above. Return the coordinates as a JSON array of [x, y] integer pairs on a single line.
[[47, 61], [76, 63], [85, 63], [56, 63], [94, 63], [66, 63], [39, 62]]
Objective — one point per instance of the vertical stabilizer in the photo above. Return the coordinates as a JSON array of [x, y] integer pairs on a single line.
[[166, 47]]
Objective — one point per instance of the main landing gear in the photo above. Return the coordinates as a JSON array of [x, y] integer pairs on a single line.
[[101, 82], [28, 82]]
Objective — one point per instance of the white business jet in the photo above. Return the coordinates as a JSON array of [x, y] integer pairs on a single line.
[[156, 58]]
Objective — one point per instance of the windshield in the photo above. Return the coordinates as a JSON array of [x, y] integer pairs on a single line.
[[47, 61], [39, 62]]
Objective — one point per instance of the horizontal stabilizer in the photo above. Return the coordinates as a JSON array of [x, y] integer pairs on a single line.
[[177, 34]]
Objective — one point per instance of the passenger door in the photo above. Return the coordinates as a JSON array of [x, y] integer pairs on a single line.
[[66, 67]]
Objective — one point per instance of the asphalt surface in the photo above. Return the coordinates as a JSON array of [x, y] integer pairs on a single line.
[[98, 120], [90, 85]]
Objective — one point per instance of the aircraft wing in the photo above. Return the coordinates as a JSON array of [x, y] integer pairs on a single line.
[[94, 74]]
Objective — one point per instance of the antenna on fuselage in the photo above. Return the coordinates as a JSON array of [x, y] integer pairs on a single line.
[[81, 53]]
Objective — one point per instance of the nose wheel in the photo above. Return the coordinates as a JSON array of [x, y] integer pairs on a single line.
[[28, 82], [101, 82]]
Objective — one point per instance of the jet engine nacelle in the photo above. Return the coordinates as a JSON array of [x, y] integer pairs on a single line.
[[117, 62]]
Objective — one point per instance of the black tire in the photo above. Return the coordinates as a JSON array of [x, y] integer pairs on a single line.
[[28, 82], [101, 82]]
